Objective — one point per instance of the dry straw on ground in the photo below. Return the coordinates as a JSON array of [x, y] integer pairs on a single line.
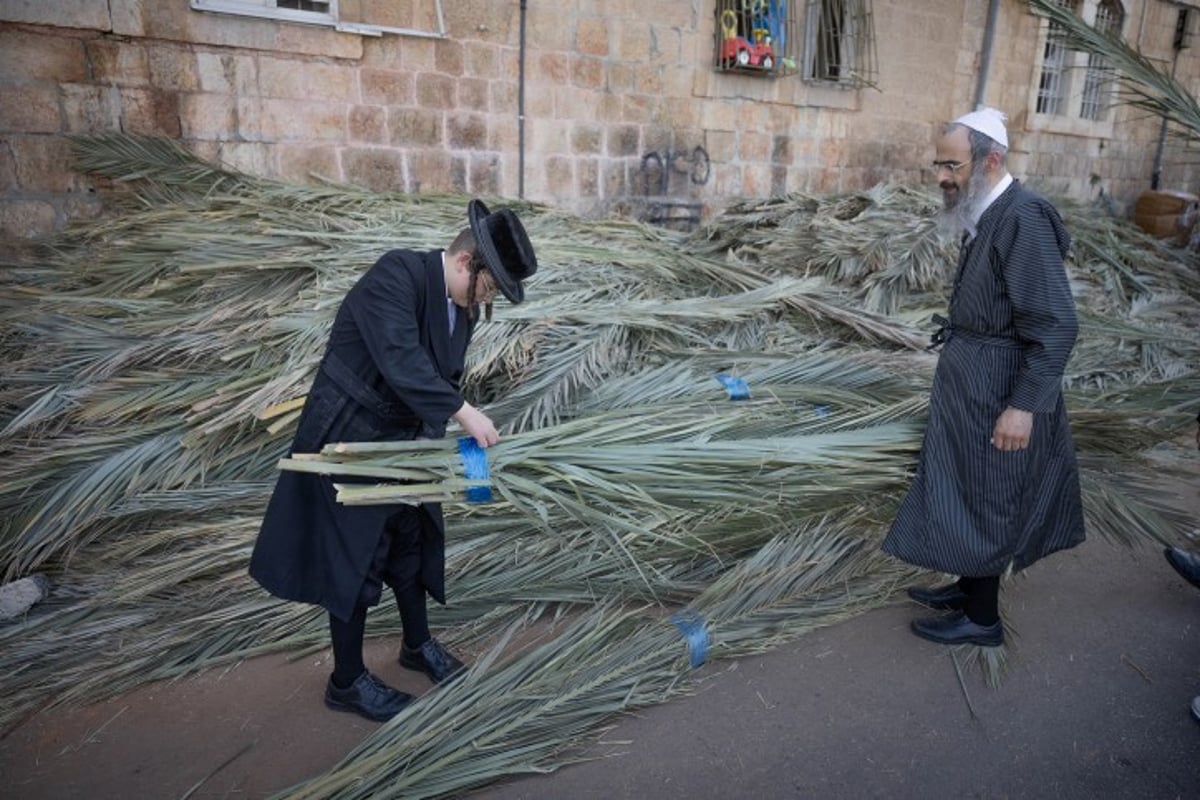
[[157, 361]]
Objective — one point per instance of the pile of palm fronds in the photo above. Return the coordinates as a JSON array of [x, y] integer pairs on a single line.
[[156, 363]]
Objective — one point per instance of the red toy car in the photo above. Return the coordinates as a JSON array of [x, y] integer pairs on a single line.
[[745, 53]]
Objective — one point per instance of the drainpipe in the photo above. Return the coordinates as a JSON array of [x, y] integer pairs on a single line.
[[1181, 26], [985, 58], [521, 110]]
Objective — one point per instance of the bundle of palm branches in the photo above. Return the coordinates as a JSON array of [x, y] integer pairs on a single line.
[[158, 361]]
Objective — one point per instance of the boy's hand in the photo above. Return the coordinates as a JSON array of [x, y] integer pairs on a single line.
[[477, 424]]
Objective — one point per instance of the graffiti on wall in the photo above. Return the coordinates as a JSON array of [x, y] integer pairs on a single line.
[[668, 180]]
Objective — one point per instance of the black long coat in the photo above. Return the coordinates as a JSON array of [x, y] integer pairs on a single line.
[[972, 509], [391, 371]]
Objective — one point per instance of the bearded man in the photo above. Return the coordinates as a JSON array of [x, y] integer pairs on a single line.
[[997, 484]]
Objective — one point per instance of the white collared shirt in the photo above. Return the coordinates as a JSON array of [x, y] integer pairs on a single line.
[[451, 309]]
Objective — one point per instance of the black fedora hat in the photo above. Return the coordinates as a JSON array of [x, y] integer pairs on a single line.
[[501, 241]]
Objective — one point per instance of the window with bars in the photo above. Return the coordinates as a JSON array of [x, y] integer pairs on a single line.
[[1098, 78], [403, 17], [839, 42], [827, 41], [1072, 84], [1053, 85]]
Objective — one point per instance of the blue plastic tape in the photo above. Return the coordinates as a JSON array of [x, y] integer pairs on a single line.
[[821, 411], [737, 388], [695, 633], [475, 467]]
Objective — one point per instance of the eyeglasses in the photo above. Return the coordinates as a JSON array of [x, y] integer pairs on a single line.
[[951, 166]]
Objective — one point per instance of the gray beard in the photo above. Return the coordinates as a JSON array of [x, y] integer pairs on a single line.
[[952, 221]]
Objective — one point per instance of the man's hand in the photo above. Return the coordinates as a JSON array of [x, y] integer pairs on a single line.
[[477, 424], [1012, 429]]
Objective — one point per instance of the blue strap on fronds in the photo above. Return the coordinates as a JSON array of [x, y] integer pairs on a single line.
[[737, 388], [695, 633], [475, 467]]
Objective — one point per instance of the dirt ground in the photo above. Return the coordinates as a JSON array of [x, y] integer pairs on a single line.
[[1103, 666]]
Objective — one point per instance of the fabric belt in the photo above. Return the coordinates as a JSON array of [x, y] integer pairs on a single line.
[[946, 332], [362, 393]]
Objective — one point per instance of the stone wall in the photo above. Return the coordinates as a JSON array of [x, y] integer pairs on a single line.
[[623, 110]]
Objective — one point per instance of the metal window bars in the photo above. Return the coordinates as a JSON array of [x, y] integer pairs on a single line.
[[756, 37], [839, 42], [1099, 76]]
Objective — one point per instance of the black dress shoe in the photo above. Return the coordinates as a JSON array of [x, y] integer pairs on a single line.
[[959, 629], [1185, 563], [368, 696], [433, 659], [946, 598]]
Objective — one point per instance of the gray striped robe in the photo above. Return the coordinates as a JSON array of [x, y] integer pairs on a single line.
[[972, 509]]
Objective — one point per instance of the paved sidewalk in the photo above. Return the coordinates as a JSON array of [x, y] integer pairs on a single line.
[[1095, 705]]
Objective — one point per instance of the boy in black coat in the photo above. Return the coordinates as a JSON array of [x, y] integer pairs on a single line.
[[391, 371]]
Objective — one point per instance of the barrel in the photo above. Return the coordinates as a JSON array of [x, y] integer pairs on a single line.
[[1167, 214]]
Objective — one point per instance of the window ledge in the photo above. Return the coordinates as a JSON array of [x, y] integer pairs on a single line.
[[1069, 126]]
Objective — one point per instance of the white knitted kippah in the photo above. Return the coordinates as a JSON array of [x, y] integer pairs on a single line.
[[989, 122]]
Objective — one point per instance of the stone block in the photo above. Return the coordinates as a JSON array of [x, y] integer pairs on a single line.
[[549, 28], [8, 168], [368, 124], [250, 118], [588, 73], [482, 60], [587, 138], [720, 116], [151, 111], [415, 127], [539, 102], [623, 140], [547, 136], [303, 163], [448, 57], [551, 67], [435, 91], [721, 146], [26, 219], [458, 173], [27, 56], [30, 108], [632, 43], [305, 80], [208, 116], [173, 68], [779, 181], [503, 96], [591, 36], [560, 176], [754, 146], [119, 63], [375, 168], [474, 94], [252, 158], [620, 76], [466, 131], [86, 14], [87, 108], [417, 55], [503, 136], [727, 180], [301, 120], [484, 174], [647, 79], [43, 164], [635, 108], [429, 171], [587, 176], [386, 87], [227, 73], [614, 181], [679, 112], [781, 150]]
